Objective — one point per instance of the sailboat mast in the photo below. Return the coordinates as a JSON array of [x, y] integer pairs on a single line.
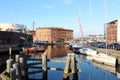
[[105, 24], [80, 28]]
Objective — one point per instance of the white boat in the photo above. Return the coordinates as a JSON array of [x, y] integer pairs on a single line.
[[76, 47], [88, 51], [105, 59]]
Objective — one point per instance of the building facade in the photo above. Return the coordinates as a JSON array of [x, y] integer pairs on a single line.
[[53, 34], [113, 31], [12, 27]]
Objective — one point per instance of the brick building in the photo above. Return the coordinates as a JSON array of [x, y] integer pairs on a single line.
[[113, 31], [53, 34]]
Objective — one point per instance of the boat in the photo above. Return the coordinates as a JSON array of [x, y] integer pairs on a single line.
[[88, 51], [76, 47], [34, 49], [104, 59]]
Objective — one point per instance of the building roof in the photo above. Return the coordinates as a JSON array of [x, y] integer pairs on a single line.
[[60, 28]]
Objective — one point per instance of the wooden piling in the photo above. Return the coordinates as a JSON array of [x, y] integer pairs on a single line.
[[17, 58], [44, 66], [9, 65], [12, 74], [67, 68], [74, 67], [23, 55], [22, 66], [73, 61], [18, 75], [10, 52]]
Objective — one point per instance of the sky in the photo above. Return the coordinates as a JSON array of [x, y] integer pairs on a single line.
[[61, 13]]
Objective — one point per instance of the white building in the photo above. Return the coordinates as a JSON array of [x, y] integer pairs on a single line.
[[12, 27]]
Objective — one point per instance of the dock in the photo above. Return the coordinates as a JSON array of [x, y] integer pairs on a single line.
[[18, 68]]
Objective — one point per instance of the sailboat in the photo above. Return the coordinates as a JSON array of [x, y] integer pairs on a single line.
[[104, 58]]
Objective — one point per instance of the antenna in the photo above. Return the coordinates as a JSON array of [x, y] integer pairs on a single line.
[[33, 25]]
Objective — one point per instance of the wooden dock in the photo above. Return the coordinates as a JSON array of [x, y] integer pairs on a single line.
[[18, 68]]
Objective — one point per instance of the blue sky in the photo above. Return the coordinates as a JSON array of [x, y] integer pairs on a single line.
[[61, 13]]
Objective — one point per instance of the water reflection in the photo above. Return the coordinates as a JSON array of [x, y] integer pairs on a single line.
[[90, 69], [56, 51], [95, 71]]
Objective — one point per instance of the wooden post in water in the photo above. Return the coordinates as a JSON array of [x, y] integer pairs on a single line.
[[67, 68], [44, 66], [9, 65], [18, 75], [74, 67], [22, 66], [12, 74], [17, 58], [22, 54], [10, 52]]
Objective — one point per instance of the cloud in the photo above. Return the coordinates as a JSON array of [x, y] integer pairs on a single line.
[[68, 1]]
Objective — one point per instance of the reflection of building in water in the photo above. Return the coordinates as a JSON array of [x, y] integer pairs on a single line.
[[56, 51]]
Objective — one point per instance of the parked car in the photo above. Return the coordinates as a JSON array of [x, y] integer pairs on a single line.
[[117, 47], [112, 45], [101, 45]]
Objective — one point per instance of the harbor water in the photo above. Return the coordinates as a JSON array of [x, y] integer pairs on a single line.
[[90, 70]]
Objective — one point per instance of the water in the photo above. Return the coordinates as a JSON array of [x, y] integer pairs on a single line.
[[89, 70]]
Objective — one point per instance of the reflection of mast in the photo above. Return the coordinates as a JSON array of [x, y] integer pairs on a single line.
[[80, 28]]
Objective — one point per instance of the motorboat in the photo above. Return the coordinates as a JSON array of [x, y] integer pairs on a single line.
[[88, 51], [105, 59], [76, 47], [34, 49]]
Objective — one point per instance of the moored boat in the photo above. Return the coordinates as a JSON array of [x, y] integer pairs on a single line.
[[88, 51], [105, 59], [34, 50]]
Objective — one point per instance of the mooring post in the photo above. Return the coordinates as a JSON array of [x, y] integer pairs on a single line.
[[10, 52], [74, 67], [73, 61], [67, 67], [18, 75], [12, 74], [22, 54], [9, 63], [17, 58], [44, 66], [22, 66]]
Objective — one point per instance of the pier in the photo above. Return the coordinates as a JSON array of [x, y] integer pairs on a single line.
[[18, 69]]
